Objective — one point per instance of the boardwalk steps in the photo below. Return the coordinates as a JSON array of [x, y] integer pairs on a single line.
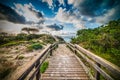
[[64, 66]]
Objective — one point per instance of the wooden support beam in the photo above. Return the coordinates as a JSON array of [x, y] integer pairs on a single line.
[[97, 74], [38, 70]]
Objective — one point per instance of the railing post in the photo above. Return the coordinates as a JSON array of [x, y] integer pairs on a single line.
[[51, 50], [38, 75], [75, 50], [97, 74]]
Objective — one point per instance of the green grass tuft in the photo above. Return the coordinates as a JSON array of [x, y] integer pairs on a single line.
[[44, 66]]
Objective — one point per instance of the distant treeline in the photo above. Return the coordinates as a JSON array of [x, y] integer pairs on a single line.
[[103, 41]]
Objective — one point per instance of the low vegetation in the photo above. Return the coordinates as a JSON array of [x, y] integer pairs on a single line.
[[44, 67], [34, 46], [12, 44], [7, 40], [5, 67], [103, 41]]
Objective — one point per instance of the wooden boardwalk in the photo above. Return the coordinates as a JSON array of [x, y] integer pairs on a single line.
[[63, 65]]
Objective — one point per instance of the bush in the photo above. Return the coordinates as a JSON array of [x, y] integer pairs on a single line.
[[44, 66], [35, 46]]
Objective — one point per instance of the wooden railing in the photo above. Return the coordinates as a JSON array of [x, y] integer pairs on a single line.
[[35, 67], [101, 67]]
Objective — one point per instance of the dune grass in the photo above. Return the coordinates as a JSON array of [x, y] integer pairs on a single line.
[[44, 66]]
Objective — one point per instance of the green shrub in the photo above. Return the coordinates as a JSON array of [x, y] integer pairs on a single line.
[[44, 66], [35, 46]]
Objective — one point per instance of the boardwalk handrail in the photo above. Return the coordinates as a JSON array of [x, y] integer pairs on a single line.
[[37, 64], [97, 63]]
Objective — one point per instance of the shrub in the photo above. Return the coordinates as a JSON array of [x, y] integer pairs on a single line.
[[35, 46], [44, 66]]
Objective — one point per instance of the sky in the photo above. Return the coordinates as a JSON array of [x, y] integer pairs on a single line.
[[57, 17]]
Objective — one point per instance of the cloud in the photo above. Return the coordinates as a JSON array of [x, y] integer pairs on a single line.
[[25, 14], [6, 13], [51, 27], [9, 27], [106, 17], [98, 11], [62, 2], [95, 10], [75, 3], [68, 17], [55, 27], [49, 2], [29, 12], [64, 34]]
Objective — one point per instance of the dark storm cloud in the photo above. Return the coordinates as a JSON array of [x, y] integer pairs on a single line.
[[55, 27], [9, 14], [97, 7], [6, 13], [117, 11]]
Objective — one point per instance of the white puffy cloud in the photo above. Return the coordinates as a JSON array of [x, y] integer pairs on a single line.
[[49, 2], [66, 17], [71, 1], [75, 3], [62, 2], [80, 26], [29, 12]]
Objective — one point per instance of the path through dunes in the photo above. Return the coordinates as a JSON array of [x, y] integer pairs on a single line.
[[63, 65]]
